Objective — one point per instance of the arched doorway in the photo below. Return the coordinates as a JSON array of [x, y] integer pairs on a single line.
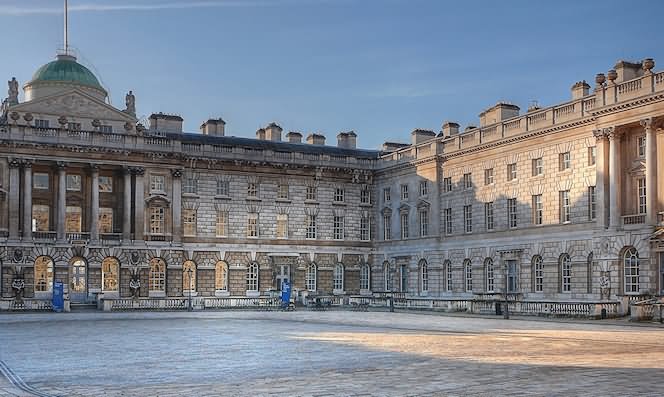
[[78, 280]]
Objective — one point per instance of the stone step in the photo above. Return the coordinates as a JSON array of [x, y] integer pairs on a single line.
[[78, 307]]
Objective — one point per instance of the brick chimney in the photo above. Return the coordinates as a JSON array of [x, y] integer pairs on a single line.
[[213, 127], [347, 140], [294, 137], [316, 139]]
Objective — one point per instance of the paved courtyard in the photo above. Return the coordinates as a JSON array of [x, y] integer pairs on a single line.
[[323, 354]]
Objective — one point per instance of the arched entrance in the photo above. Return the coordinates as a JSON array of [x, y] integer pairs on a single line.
[[78, 280]]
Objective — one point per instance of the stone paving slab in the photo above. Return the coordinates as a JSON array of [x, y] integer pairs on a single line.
[[327, 354]]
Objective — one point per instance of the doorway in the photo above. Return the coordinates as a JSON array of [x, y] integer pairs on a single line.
[[283, 274], [78, 281]]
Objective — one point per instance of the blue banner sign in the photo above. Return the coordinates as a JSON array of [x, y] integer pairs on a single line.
[[58, 297]]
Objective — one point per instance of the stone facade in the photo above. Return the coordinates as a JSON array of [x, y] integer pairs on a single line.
[[558, 204]]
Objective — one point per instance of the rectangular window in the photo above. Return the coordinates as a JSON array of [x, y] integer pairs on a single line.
[[512, 214], [311, 226], [252, 189], [539, 275], [592, 203], [311, 193], [223, 187], [592, 155], [565, 161], [387, 195], [282, 191], [642, 195], [641, 143], [468, 218], [488, 215], [404, 225], [564, 206], [222, 223], [73, 183], [339, 194], [365, 229], [448, 220], [538, 209], [467, 181], [365, 196], [512, 280], [157, 183], [189, 222], [190, 185], [338, 227], [424, 188], [387, 227], [105, 223], [252, 225], [511, 172], [108, 129], [404, 192], [73, 219], [106, 184], [448, 277], [447, 184], [40, 218], [41, 123], [538, 166], [40, 181], [488, 176], [74, 126], [282, 226], [424, 223], [157, 220]]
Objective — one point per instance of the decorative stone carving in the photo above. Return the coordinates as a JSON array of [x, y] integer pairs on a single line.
[[14, 163], [177, 173], [14, 116], [60, 165], [612, 75], [138, 171], [648, 64], [135, 281], [646, 123], [62, 120], [128, 126], [599, 135], [28, 117], [12, 93], [96, 123], [27, 163], [600, 78], [605, 285]]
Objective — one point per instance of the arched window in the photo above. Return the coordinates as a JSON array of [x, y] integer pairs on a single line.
[[312, 276], [188, 276], [43, 274], [77, 275], [448, 275], [589, 274], [221, 276], [565, 273], [424, 276], [387, 285], [339, 277], [538, 274], [631, 270], [252, 277], [468, 268], [365, 277], [489, 274], [110, 272], [157, 276]]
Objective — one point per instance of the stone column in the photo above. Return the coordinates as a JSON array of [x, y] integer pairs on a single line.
[[94, 203], [601, 179], [614, 177], [177, 205], [61, 202], [126, 210], [14, 201], [27, 199], [139, 203], [651, 172]]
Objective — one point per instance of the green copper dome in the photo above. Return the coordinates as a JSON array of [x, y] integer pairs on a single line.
[[66, 69]]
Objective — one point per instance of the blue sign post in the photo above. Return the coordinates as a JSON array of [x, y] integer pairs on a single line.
[[58, 297], [285, 293]]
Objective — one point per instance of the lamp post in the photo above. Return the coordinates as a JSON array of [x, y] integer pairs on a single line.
[[189, 272]]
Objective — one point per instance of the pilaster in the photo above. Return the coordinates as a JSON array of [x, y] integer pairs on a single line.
[[177, 205], [27, 199], [14, 198]]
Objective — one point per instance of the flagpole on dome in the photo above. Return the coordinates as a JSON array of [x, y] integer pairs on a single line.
[[66, 28]]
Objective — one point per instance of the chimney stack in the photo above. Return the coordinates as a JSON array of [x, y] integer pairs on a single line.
[[579, 90], [165, 122], [273, 132], [347, 140], [214, 127], [316, 139], [419, 135], [294, 137], [450, 128], [260, 134], [497, 113]]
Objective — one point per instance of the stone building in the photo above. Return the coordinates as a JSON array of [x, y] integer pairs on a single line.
[[558, 204]]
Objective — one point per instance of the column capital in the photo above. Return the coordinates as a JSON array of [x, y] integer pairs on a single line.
[[646, 123], [126, 170], [177, 172], [94, 168], [60, 165], [599, 134], [613, 133], [138, 171], [27, 163], [14, 163]]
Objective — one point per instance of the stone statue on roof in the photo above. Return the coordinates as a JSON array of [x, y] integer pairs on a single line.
[[12, 98], [130, 102]]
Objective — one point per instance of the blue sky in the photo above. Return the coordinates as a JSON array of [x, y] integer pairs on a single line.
[[378, 67]]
